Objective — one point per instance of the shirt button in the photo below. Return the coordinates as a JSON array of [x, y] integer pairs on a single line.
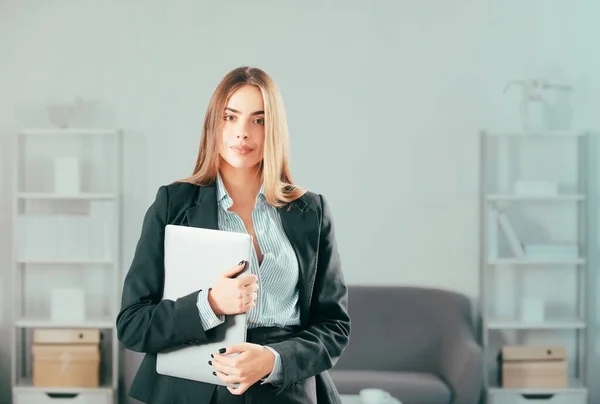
[[261, 232], [212, 321]]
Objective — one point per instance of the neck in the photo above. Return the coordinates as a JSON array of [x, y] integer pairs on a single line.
[[242, 184]]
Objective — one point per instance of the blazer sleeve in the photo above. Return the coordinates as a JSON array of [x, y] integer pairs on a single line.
[[146, 323], [318, 347]]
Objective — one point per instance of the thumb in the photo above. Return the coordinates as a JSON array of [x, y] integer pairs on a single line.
[[231, 272]]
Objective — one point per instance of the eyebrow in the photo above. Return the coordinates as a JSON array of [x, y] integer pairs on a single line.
[[235, 111]]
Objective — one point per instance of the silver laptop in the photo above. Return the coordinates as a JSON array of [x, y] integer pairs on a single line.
[[194, 259]]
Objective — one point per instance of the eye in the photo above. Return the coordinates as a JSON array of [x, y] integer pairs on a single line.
[[228, 117], [259, 121]]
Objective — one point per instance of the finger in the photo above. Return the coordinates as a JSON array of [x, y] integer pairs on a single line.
[[237, 348], [230, 272], [228, 361], [246, 302], [230, 371], [253, 287], [238, 390], [249, 305], [246, 307], [246, 279], [249, 298], [226, 378]]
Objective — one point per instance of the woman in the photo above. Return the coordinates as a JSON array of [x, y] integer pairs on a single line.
[[295, 294]]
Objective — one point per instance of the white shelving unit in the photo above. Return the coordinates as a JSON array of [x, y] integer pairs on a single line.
[[66, 240], [57, 197], [508, 276], [558, 198]]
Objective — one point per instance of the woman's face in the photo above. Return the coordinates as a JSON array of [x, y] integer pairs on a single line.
[[243, 132]]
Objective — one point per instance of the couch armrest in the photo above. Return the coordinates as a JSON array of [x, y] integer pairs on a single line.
[[461, 366]]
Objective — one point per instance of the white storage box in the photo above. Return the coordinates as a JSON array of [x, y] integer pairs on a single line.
[[38, 397], [67, 304], [66, 175], [515, 397]]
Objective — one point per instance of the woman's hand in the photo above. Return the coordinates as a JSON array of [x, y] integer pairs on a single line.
[[252, 364], [232, 295]]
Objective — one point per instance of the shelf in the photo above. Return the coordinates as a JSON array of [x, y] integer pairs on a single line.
[[68, 132], [29, 322], [27, 386], [64, 262], [559, 221], [549, 198], [550, 324], [534, 135], [573, 385], [53, 196], [80, 226], [536, 261]]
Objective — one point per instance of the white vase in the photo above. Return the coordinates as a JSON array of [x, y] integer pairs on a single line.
[[532, 116]]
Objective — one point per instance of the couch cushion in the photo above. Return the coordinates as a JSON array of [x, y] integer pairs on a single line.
[[401, 328], [408, 387]]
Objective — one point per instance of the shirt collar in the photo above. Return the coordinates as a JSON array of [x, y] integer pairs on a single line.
[[225, 200]]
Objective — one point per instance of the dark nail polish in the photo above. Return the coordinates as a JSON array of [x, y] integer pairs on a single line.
[[241, 262], [215, 373], [222, 350], [210, 363], [212, 356]]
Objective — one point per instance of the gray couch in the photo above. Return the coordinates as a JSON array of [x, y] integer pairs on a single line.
[[416, 343]]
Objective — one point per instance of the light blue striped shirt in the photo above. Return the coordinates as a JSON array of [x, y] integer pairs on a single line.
[[277, 295]]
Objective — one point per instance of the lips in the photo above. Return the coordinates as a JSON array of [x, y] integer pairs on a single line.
[[242, 149]]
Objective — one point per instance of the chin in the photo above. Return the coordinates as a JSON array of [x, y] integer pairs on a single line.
[[240, 163]]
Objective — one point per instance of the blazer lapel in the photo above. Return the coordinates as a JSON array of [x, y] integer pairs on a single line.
[[301, 225], [204, 213]]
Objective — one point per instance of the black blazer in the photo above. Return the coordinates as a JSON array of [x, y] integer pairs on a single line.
[[147, 324]]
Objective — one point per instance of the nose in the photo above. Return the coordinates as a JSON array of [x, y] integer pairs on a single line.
[[242, 131]]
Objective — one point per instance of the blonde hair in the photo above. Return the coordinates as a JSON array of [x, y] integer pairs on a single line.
[[274, 168]]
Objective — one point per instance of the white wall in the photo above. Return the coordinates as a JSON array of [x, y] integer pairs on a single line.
[[385, 100]]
